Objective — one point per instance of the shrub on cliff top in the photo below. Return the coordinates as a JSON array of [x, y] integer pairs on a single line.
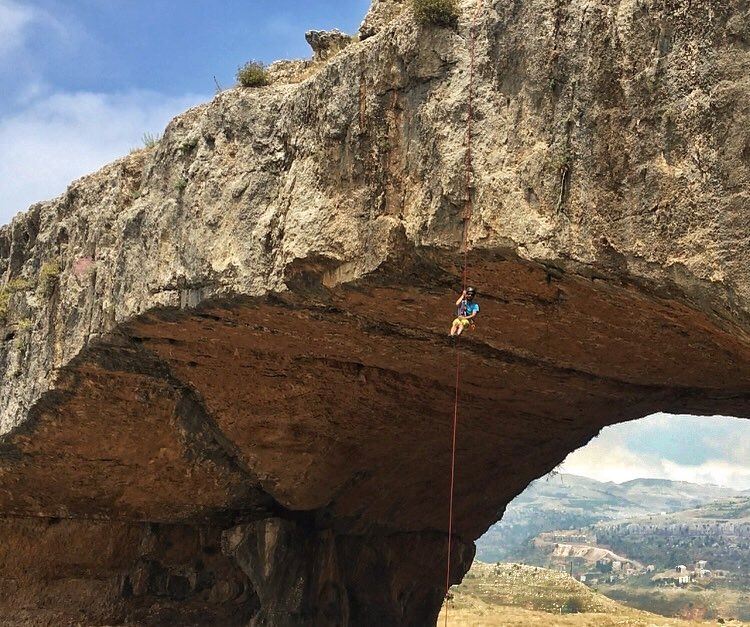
[[253, 74], [436, 12]]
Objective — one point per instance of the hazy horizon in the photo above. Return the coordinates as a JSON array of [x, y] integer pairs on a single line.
[[704, 450], [562, 474]]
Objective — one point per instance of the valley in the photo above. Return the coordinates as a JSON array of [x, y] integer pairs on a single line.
[[673, 548]]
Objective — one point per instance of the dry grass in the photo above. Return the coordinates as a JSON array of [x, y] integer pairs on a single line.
[[495, 616], [515, 595]]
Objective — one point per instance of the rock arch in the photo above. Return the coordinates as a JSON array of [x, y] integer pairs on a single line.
[[227, 390]]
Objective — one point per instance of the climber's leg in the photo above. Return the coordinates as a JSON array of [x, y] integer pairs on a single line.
[[459, 324]]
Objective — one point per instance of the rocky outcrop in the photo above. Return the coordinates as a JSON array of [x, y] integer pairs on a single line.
[[381, 13], [326, 43], [241, 332]]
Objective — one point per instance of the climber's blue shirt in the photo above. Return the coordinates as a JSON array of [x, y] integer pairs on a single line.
[[467, 308]]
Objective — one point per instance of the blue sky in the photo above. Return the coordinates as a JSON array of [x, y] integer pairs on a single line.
[[81, 81], [699, 449]]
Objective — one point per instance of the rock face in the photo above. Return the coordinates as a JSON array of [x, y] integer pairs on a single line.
[[226, 377], [380, 15]]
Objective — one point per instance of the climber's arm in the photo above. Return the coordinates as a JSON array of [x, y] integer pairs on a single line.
[[474, 312]]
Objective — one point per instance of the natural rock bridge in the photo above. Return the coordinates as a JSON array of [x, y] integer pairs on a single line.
[[227, 387]]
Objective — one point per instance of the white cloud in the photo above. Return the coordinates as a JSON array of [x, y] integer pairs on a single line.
[[613, 455], [15, 20], [618, 464], [718, 472], [602, 461], [22, 25], [60, 137]]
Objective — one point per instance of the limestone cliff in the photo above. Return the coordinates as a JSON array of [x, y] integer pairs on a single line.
[[225, 365]]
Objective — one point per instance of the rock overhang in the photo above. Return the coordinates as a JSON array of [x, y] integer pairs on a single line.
[[337, 401]]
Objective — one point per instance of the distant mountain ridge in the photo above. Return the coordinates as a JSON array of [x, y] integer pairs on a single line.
[[718, 531], [563, 501]]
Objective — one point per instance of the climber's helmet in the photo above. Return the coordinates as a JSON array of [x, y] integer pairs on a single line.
[[471, 292]]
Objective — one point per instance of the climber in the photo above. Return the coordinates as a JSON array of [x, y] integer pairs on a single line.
[[467, 311]]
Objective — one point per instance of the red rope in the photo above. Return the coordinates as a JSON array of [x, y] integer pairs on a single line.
[[468, 210], [453, 476]]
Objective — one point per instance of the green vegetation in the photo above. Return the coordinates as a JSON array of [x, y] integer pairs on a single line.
[[19, 285], [436, 12], [12, 287], [149, 140], [731, 509], [180, 184], [4, 303], [712, 602], [253, 74], [705, 532], [189, 144], [48, 277], [24, 324], [574, 605], [567, 502]]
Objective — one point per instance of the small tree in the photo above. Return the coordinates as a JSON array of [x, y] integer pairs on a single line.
[[436, 12], [253, 74], [574, 605]]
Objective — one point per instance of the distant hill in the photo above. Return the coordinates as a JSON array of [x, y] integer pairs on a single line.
[[563, 501], [718, 532], [662, 495], [736, 509]]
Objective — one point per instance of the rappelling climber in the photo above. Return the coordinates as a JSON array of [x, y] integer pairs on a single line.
[[467, 311]]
